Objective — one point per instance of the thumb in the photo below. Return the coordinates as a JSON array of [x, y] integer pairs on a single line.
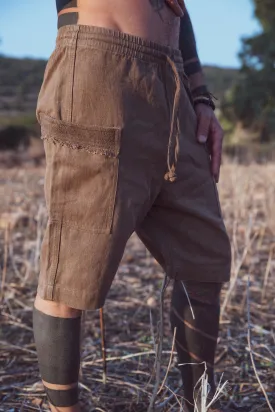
[[203, 128]]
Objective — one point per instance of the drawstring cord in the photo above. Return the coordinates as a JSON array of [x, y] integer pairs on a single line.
[[171, 164]]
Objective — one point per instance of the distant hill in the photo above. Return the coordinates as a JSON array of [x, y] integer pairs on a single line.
[[20, 81], [220, 79]]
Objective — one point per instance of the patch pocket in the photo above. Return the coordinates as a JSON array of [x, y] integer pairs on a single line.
[[81, 173]]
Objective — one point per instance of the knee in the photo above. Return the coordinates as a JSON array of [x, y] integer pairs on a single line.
[[204, 292], [225, 251], [56, 308], [221, 258], [200, 292]]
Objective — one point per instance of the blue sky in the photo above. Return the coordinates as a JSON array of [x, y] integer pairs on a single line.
[[28, 28]]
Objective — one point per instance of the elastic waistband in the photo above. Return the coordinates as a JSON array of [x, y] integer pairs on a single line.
[[118, 42]]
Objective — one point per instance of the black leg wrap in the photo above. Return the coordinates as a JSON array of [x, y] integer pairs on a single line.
[[62, 398], [196, 339], [58, 347]]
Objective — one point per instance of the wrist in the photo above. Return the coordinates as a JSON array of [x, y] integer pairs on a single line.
[[204, 100], [198, 84], [200, 90]]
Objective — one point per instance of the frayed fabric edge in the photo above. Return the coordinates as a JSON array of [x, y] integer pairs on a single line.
[[75, 146]]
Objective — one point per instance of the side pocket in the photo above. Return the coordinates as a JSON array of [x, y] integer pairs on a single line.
[[81, 173]]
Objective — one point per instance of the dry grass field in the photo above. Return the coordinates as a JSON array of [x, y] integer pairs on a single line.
[[246, 350]]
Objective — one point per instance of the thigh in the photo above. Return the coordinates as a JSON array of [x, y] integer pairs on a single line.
[[184, 229]]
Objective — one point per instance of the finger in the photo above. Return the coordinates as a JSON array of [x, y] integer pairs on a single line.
[[174, 5], [203, 128]]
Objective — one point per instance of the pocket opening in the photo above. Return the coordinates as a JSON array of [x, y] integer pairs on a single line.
[[93, 139]]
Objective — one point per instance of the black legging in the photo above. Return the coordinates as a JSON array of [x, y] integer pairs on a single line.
[[196, 339]]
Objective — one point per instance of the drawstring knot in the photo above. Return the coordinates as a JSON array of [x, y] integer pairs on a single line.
[[171, 175]]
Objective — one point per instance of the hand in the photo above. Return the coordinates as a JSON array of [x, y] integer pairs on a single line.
[[177, 6], [210, 132]]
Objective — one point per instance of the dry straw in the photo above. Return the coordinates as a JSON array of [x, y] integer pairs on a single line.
[[137, 375]]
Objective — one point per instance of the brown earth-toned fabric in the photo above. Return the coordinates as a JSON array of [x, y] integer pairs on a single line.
[[119, 132]]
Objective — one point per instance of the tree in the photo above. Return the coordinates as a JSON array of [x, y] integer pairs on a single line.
[[252, 99]]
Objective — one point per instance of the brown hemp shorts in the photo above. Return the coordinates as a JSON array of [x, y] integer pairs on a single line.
[[119, 132]]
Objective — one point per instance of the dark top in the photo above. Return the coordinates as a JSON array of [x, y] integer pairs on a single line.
[[64, 4]]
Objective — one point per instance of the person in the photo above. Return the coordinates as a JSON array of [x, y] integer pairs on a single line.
[[132, 143]]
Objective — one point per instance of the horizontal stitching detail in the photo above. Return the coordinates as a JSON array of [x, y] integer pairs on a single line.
[[70, 225], [63, 122], [129, 55], [93, 139], [74, 291], [76, 146]]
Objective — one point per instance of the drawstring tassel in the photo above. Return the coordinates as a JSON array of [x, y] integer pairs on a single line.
[[171, 173]]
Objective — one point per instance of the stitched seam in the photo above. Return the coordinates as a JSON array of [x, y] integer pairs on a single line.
[[69, 86], [120, 39], [73, 146], [109, 217], [52, 272], [70, 225], [49, 176], [126, 55], [55, 251], [74, 226], [60, 122], [57, 255], [73, 75], [75, 291], [112, 209]]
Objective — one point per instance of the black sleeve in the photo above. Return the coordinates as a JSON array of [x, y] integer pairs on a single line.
[[188, 48], [187, 41]]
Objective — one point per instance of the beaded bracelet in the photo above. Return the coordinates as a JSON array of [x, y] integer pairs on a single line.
[[204, 100]]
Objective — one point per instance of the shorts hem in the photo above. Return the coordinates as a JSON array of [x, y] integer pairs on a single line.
[[190, 272], [70, 297]]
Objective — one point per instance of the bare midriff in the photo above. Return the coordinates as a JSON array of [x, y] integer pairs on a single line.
[[153, 20]]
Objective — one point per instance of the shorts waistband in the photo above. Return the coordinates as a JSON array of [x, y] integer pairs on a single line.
[[118, 42]]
